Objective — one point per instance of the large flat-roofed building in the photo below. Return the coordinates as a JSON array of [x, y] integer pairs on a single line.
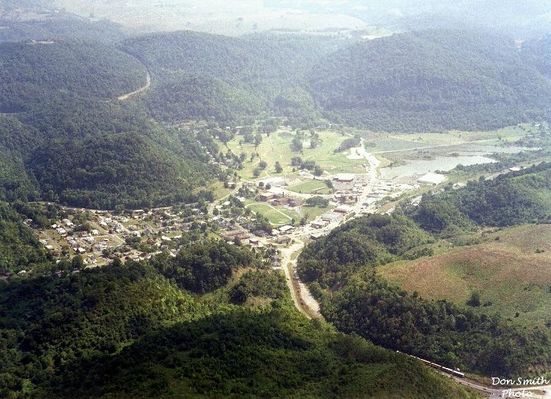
[[344, 177]]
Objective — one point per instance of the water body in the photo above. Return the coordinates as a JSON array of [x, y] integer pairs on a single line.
[[422, 166], [469, 154]]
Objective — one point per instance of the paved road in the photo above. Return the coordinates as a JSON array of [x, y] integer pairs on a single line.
[[309, 307]]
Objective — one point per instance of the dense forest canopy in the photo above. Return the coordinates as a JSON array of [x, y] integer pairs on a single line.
[[68, 139], [37, 69], [508, 200], [108, 170], [431, 80], [441, 79], [224, 78], [90, 334], [538, 51]]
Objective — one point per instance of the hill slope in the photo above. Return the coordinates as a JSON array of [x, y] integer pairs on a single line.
[[30, 71], [210, 76], [539, 51], [128, 332], [431, 80], [69, 139], [341, 270]]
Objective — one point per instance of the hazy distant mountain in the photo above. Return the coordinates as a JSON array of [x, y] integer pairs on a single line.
[[40, 20], [212, 16], [522, 16]]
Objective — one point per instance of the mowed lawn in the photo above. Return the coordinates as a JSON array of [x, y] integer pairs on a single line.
[[277, 148], [311, 187], [275, 216], [511, 271]]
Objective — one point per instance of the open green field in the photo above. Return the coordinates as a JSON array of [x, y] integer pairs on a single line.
[[277, 148], [311, 187], [219, 190], [511, 270], [380, 143], [275, 216], [279, 216]]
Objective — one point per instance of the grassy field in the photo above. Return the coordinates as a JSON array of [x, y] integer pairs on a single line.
[[279, 216], [311, 187], [275, 216], [219, 190], [379, 143], [277, 148], [511, 270]]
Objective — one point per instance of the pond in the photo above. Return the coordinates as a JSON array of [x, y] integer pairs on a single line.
[[423, 166], [466, 154]]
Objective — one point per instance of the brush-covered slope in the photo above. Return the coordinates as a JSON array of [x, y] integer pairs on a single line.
[[431, 80]]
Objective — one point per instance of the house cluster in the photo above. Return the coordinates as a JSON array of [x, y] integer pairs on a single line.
[[101, 235]]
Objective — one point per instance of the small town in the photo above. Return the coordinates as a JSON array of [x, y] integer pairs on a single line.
[[99, 236]]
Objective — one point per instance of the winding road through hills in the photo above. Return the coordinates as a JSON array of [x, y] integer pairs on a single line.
[[309, 307], [139, 91]]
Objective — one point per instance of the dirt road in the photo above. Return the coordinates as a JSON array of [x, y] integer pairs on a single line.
[[139, 91]]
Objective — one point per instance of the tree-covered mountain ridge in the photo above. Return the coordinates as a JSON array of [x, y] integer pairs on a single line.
[[57, 96], [418, 81], [68, 138]]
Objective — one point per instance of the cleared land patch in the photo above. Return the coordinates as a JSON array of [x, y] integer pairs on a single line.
[[511, 271]]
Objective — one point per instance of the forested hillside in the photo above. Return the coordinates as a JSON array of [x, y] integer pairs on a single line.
[[539, 52], [508, 200], [31, 71], [19, 248], [108, 170], [127, 331], [227, 79], [66, 137], [341, 272], [433, 80]]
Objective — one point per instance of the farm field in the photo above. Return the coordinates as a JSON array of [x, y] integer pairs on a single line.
[[277, 148], [511, 271]]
